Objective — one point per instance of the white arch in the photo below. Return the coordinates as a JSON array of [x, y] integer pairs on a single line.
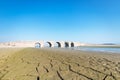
[[66, 44], [59, 44], [37, 45], [72, 44]]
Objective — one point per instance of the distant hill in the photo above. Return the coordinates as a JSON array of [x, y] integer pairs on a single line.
[[108, 44]]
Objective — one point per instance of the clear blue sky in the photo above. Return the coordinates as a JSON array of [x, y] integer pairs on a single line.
[[89, 21]]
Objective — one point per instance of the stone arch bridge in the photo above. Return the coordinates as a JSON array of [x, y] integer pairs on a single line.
[[40, 44]]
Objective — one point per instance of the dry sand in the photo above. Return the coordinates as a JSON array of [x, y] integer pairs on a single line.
[[57, 64]]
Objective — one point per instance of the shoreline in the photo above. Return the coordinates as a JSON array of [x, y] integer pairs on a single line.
[[75, 49], [105, 49]]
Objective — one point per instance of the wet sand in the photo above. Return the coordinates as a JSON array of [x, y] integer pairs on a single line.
[[57, 64]]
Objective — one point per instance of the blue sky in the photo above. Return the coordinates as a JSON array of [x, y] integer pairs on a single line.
[[88, 21]]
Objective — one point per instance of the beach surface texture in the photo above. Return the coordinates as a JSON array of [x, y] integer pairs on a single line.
[[57, 64]]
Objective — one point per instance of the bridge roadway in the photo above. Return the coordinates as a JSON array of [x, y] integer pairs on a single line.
[[40, 44]]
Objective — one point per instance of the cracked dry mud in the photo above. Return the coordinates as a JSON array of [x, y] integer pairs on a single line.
[[59, 64]]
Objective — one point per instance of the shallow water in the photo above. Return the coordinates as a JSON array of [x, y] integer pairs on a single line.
[[99, 49]]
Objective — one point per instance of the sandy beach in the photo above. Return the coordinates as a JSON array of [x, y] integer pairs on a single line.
[[57, 64]]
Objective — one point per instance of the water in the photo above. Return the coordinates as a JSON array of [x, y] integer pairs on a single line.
[[99, 49]]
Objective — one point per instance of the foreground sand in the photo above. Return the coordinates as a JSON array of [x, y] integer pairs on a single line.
[[58, 64]]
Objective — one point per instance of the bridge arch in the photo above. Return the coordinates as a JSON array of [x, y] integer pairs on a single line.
[[37, 45], [49, 44], [59, 44], [72, 44], [66, 44]]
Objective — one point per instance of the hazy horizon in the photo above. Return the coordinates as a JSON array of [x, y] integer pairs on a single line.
[[87, 21]]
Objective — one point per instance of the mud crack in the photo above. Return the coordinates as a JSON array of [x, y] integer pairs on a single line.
[[79, 73], [46, 69], [59, 75]]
